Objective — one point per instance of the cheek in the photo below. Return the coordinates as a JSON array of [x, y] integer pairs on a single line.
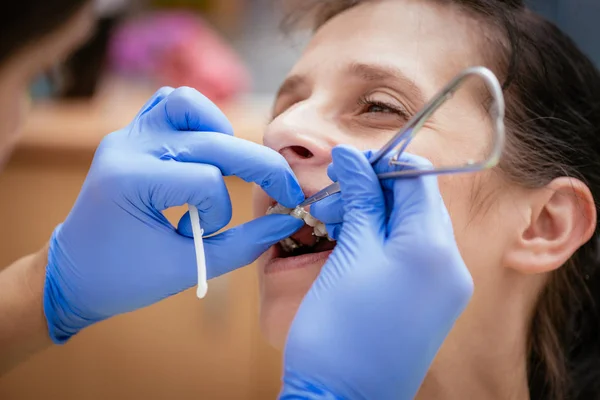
[[479, 228], [457, 192], [280, 297], [424, 145], [466, 196], [444, 149]]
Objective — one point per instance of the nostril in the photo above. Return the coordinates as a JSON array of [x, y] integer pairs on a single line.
[[303, 152]]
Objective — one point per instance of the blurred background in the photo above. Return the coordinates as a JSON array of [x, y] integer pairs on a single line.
[[234, 52]]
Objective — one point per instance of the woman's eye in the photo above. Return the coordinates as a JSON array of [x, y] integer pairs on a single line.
[[376, 108], [369, 106]]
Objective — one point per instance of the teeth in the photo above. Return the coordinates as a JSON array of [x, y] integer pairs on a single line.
[[299, 213], [311, 221], [278, 209], [289, 245], [319, 229]]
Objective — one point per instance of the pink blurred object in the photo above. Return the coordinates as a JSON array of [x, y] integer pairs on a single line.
[[179, 49]]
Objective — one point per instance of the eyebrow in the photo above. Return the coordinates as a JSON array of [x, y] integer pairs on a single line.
[[291, 85], [374, 72], [365, 72]]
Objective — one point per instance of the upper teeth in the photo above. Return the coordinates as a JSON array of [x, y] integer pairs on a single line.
[[278, 209], [319, 229]]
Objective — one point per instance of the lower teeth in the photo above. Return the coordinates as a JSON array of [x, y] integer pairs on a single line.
[[289, 245]]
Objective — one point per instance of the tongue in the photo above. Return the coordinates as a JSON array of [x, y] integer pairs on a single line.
[[305, 236]]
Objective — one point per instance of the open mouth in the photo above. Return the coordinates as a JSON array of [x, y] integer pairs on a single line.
[[312, 238], [304, 242]]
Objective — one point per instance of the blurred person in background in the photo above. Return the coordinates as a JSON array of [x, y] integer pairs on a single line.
[[81, 72]]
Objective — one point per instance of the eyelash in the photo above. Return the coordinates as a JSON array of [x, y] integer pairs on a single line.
[[393, 108]]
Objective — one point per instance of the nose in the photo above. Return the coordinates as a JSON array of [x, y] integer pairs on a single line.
[[302, 134]]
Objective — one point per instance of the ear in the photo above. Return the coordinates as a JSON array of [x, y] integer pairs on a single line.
[[562, 218]]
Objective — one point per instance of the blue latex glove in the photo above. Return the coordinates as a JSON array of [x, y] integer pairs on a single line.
[[387, 297], [116, 252]]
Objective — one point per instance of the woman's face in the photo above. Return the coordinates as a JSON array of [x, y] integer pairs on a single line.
[[362, 76], [19, 70]]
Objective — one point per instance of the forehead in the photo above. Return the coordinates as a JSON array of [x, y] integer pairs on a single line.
[[429, 42]]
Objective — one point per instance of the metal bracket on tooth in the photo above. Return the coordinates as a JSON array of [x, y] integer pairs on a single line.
[[319, 229]]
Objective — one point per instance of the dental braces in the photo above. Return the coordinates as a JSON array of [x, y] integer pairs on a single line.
[[319, 230]]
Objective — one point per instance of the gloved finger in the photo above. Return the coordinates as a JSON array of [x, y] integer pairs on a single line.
[[416, 201], [330, 210], [331, 173], [186, 109], [159, 96], [176, 184], [331, 170], [242, 158], [210, 220], [333, 230], [364, 204], [242, 245]]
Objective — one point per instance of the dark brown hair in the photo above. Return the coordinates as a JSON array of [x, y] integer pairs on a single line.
[[553, 118], [24, 21]]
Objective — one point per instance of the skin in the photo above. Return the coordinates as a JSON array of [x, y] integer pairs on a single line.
[[510, 238], [23, 328]]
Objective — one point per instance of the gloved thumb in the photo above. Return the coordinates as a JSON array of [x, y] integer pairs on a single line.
[[242, 245], [361, 193], [186, 109]]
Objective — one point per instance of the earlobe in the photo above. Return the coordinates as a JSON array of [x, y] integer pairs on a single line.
[[562, 219]]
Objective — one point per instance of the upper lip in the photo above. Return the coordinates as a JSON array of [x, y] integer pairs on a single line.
[[308, 192]]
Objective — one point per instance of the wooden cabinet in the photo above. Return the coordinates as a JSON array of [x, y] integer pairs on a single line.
[[181, 348]]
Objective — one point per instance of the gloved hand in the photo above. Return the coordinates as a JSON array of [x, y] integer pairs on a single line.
[[116, 252], [387, 297]]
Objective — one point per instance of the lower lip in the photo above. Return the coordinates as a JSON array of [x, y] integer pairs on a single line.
[[278, 264]]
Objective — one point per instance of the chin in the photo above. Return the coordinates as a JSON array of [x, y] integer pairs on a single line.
[[283, 285], [285, 278]]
